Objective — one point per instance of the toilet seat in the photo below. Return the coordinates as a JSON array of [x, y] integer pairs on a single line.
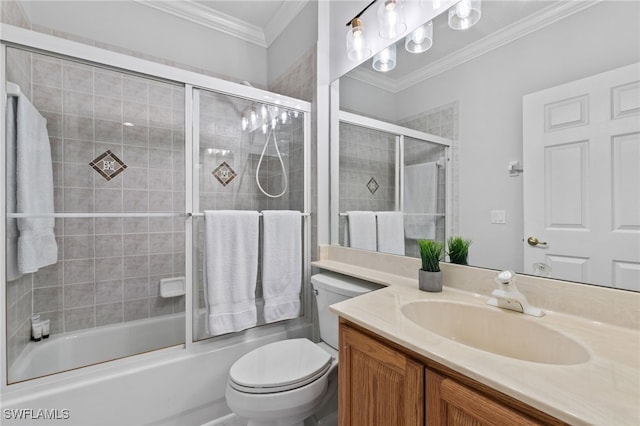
[[279, 366]]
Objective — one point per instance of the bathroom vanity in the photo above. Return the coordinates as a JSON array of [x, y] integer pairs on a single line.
[[399, 364], [383, 383]]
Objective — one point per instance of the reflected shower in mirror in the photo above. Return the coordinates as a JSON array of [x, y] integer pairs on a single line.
[[392, 186], [469, 88]]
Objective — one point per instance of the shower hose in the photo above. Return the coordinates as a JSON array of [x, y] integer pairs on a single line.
[[284, 171]]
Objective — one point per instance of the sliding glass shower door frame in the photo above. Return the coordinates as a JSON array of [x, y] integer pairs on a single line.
[[11, 36], [338, 116]]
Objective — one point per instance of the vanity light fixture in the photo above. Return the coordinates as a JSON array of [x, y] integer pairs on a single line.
[[465, 14], [420, 40], [385, 60], [391, 19], [357, 48]]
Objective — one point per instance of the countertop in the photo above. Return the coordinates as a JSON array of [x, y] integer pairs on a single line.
[[605, 390]]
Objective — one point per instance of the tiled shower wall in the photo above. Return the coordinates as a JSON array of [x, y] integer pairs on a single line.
[[109, 268], [299, 82], [367, 171]]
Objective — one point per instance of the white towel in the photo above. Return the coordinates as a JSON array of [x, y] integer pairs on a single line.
[[34, 190], [231, 269], [420, 196], [362, 230], [281, 264], [13, 272], [391, 232]]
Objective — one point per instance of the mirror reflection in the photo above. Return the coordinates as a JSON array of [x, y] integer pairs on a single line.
[[489, 90]]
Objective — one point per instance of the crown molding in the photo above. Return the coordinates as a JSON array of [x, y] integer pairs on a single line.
[[512, 32], [202, 15], [210, 18], [374, 78], [286, 13]]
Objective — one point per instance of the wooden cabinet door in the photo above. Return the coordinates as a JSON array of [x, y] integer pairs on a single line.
[[448, 403], [379, 386]]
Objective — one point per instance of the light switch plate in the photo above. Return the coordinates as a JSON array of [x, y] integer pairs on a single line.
[[498, 216]]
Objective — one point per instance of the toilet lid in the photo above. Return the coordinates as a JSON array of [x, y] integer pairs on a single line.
[[279, 366]]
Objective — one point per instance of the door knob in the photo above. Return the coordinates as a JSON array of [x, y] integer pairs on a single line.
[[533, 241]]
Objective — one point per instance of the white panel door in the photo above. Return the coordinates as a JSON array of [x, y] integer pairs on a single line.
[[581, 157]]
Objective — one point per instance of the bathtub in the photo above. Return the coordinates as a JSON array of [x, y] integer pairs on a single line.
[[174, 386], [92, 346]]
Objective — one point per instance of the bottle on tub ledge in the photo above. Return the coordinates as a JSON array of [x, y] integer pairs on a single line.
[[39, 329], [45, 328], [36, 328]]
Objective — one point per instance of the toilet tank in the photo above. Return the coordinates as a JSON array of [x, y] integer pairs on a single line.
[[332, 288]]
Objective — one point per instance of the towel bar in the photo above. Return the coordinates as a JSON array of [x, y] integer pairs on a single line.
[[406, 214], [259, 214], [88, 215]]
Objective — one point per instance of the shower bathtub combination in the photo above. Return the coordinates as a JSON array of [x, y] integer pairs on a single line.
[[106, 320]]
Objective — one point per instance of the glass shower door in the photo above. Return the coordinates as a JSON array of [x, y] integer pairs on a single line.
[[116, 147], [424, 192], [250, 156]]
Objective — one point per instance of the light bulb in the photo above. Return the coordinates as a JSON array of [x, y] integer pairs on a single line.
[[253, 118], [418, 35], [283, 117], [263, 111], [421, 39], [264, 129], [463, 9], [465, 14], [357, 48], [273, 123], [245, 122], [391, 19]]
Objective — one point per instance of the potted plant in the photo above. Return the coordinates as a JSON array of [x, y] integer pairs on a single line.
[[430, 276], [458, 250]]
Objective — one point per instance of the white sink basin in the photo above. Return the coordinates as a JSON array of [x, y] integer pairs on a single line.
[[505, 333]]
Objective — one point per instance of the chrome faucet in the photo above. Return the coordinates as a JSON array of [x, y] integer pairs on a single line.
[[507, 296]]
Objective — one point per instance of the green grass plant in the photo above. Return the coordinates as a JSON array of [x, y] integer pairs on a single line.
[[431, 253]]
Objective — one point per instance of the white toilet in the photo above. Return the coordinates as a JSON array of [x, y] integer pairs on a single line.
[[283, 383]]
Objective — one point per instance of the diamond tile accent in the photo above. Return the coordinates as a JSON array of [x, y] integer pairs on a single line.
[[372, 186], [224, 173], [108, 165]]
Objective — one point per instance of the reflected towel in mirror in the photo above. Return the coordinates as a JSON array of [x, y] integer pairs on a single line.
[[420, 196]]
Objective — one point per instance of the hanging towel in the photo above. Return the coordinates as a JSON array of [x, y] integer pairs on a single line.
[[420, 197], [390, 232], [281, 264], [230, 270], [362, 230], [13, 272], [34, 189]]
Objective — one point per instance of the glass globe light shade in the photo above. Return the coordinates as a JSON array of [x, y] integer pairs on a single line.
[[385, 60]]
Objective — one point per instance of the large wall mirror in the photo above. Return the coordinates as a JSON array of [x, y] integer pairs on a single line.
[[541, 103]]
